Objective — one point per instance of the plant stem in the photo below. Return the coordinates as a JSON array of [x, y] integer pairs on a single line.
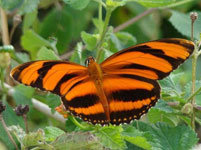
[[77, 123], [8, 133], [194, 62], [101, 41], [100, 17], [4, 26], [134, 19], [194, 94], [25, 122], [2, 79]]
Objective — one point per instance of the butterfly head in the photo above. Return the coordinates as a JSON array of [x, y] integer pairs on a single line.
[[89, 60]]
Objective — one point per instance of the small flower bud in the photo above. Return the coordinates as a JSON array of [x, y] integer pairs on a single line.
[[21, 110], [17, 19], [193, 16], [2, 107], [187, 108]]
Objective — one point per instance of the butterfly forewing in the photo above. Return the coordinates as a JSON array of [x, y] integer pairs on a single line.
[[154, 60], [48, 75]]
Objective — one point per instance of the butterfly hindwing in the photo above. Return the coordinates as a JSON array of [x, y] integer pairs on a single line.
[[129, 96], [83, 101]]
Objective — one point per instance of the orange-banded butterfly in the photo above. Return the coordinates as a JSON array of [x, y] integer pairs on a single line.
[[120, 89]]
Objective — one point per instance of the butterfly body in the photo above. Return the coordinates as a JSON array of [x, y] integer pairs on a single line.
[[96, 75], [120, 89]]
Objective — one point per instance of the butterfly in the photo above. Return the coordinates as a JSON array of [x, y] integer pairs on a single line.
[[120, 89]]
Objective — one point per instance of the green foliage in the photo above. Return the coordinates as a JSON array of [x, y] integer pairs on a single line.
[[29, 20], [77, 4], [23, 94], [10, 4], [111, 137], [32, 42], [51, 133], [81, 28], [52, 101], [46, 54], [178, 138], [121, 40], [62, 30], [23, 6], [157, 3], [28, 6], [78, 140], [136, 137], [181, 22], [10, 118], [89, 40]]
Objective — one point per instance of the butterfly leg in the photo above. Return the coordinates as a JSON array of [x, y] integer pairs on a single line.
[[61, 109]]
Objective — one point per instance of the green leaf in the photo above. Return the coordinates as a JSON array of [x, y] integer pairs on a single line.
[[77, 140], [58, 24], [32, 42], [163, 106], [110, 137], [26, 90], [156, 115], [99, 25], [52, 101], [23, 94], [23, 56], [114, 4], [126, 39], [164, 137], [51, 133], [188, 90], [163, 112], [46, 54], [77, 4], [171, 87], [89, 39], [11, 4], [28, 6], [156, 3], [136, 137], [77, 55], [70, 126], [107, 53], [182, 23], [36, 140], [29, 19], [10, 118], [121, 40], [23, 6]]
